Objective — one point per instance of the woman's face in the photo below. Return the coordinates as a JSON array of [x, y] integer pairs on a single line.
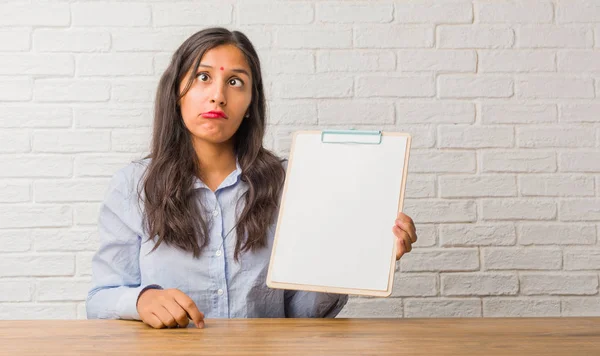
[[222, 83]]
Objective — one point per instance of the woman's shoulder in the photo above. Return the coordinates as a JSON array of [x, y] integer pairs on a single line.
[[127, 178]]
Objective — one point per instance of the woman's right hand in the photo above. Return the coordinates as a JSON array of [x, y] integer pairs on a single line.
[[168, 308]]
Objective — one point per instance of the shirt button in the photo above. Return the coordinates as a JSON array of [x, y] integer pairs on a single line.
[[218, 253], [216, 213], [220, 292]]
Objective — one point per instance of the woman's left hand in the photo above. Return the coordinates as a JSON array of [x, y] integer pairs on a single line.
[[406, 234]]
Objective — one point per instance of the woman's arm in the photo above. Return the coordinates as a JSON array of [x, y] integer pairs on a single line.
[[303, 304], [115, 266]]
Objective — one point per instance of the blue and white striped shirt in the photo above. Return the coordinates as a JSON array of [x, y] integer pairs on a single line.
[[221, 288]]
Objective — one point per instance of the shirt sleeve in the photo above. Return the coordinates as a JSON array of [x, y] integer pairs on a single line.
[[304, 304], [115, 265]]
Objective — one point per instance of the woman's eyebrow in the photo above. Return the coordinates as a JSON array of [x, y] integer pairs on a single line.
[[237, 70]]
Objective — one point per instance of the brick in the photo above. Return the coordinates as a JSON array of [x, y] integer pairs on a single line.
[[428, 161], [408, 86], [559, 284], [67, 90], [71, 40], [518, 114], [393, 36], [579, 113], [578, 61], [530, 258], [438, 211], [434, 12], [474, 36], [352, 61], [466, 235], [62, 240], [83, 263], [556, 186], [474, 86], [552, 36], [34, 64], [110, 14], [355, 112], [579, 209], [435, 112], [115, 64], [36, 311], [260, 36], [437, 60], [35, 116], [71, 141], [287, 62], [94, 165], [35, 14], [340, 12], [144, 40], [577, 11], [556, 234], [75, 190], [269, 13], [579, 161], [577, 259], [15, 240], [479, 284], [440, 260], [36, 215], [554, 87], [14, 265], [520, 307], [130, 140], [511, 61], [515, 12], [329, 36], [423, 136], [86, 213], [14, 141], [372, 308], [517, 209], [15, 89], [292, 112], [15, 40], [36, 166], [134, 90], [442, 308], [461, 186], [548, 137], [581, 306], [518, 161], [427, 235], [16, 291], [15, 191], [54, 289], [103, 117], [187, 14], [415, 285], [313, 86], [465, 136], [421, 186]]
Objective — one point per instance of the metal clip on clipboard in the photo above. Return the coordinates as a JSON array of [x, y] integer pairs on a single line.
[[351, 136]]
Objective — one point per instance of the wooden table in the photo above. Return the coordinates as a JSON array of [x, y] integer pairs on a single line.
[[476, 336]]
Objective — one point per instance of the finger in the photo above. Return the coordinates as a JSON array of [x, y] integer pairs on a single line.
[[404, 238], [177, 312], [409, 228], [154, 321], [190, 308], [407, 243], [400, 248], [163, 314]]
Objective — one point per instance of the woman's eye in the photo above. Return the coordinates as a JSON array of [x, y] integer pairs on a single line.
[[236, 80], [203, 77]]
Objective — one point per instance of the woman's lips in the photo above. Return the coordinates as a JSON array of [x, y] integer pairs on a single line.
[[214, 115]]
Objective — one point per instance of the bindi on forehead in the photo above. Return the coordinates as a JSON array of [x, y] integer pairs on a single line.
[[222, 68]]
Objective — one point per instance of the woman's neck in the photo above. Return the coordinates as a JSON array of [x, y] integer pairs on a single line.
[[216, 162]]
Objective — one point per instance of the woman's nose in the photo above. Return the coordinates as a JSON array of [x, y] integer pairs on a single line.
[[218, 96]]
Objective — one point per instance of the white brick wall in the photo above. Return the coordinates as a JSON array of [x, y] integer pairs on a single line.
[[501, 97]]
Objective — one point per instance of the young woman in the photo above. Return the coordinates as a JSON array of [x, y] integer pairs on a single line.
[[187, 232]]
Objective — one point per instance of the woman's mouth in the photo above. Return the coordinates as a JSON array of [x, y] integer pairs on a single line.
[[214, 115]]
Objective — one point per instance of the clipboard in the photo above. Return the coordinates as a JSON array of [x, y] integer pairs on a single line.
[[342, 193]]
